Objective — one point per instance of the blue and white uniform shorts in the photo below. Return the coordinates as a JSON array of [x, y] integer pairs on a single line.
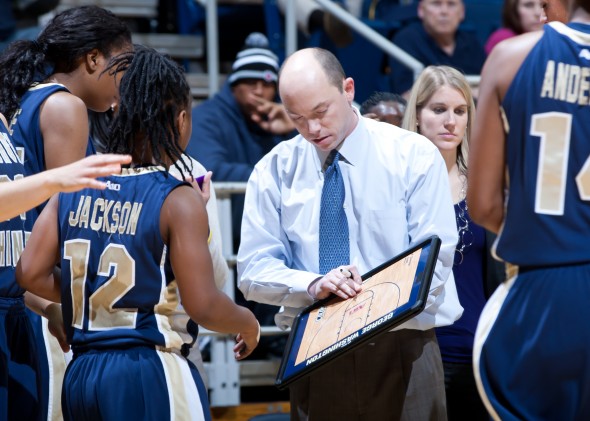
[[134, 383], [531, 353]]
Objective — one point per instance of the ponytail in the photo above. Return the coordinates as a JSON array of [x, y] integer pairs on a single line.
[[21, 64]]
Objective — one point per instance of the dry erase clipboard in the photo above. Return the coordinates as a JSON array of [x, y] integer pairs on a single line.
[[393, 293]]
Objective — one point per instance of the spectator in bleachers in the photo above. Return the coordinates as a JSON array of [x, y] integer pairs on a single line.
[[518, 17], [238, 126], [385, 106], [436, 39]]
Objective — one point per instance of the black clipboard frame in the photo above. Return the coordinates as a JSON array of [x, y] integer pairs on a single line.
[[289, 372]]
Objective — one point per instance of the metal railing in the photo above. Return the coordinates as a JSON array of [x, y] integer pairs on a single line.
[[291, 39]]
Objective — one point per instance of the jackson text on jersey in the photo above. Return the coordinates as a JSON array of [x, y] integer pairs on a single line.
[[110, 216]]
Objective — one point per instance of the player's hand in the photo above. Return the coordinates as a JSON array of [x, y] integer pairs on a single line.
[[83, 173], [343, 281], [56, 325], [246, 343], [202, 185]]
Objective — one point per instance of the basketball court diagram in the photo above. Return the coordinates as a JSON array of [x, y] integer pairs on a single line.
[[381, 294]]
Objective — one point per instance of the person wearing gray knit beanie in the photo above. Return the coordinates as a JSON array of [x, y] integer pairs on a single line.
[[255, 61]]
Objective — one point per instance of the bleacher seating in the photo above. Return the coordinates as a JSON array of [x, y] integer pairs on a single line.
[[123, 8], [199, 83], [175, 45]]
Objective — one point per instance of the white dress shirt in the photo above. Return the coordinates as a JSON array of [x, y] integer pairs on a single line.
[[397, 195]]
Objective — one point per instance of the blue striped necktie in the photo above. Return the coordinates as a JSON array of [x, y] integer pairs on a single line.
[[334, 247]]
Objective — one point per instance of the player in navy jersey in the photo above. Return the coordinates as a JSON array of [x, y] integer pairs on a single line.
[[530, 182], [128, 254], [20, 383], [46, 86]]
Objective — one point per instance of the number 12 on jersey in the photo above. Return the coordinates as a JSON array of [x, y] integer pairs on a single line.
[[101, 312]]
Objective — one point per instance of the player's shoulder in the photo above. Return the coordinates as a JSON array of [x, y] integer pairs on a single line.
[[182, 197], [63, 106], [519, 45], [64, 99], [506, 59]]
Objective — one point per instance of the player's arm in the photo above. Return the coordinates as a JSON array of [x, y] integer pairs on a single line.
[[52, 312], [64, 124], [184, 226], [485, 193], [34, 271], [18, 196], [487, 165]]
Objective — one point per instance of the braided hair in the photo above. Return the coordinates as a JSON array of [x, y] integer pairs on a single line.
[[69, 36], [153, 92]]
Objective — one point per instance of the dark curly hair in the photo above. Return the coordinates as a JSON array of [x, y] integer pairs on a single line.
[[153, 91], [379, 96], [69, 36]]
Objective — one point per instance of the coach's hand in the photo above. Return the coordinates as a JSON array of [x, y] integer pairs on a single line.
[[344, 281]]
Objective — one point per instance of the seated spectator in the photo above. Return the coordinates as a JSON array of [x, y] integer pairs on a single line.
[[385, 106], [435, 40], [235, 128], [518, 17]]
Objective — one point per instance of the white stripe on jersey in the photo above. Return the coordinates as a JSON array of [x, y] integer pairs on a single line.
[[484, 326], [165, 310], [185, 402], [581, 38]]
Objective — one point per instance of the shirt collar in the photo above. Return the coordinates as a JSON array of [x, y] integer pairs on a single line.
[[349, 147]]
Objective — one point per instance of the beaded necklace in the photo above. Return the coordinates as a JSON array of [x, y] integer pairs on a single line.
[[463, 231]]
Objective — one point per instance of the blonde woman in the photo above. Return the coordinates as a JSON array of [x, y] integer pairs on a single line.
[[441, 108]]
